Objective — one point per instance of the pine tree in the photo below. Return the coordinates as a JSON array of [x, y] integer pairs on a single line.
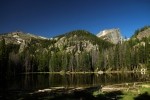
[[3, 57]]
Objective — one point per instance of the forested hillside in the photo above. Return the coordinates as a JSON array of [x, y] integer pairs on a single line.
[[75, 51]]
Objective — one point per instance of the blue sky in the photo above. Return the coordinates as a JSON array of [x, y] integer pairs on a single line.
[[50, 18]]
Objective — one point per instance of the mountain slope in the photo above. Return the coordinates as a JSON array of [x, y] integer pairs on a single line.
[[80, 40], [141, 33]]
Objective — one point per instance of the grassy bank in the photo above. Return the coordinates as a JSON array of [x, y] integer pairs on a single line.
[[131, 91]]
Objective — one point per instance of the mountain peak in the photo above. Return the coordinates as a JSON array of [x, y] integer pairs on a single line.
[[111, 35]]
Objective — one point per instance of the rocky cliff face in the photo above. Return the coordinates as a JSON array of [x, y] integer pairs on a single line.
[[144, 33], [111, 35], [76, 41], [72, 44]]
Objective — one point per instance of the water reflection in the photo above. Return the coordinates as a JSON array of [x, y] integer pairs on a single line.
[[39, 81]]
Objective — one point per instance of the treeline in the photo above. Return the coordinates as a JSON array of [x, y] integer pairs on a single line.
[[44, 56], [131, 55]]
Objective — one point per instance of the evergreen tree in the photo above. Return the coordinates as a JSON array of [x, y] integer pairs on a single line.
[[3, 58]]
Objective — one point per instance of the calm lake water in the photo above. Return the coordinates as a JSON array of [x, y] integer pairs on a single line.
[[33, 82], [41, 81]]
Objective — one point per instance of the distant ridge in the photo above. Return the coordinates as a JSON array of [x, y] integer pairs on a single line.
[[18, 37]]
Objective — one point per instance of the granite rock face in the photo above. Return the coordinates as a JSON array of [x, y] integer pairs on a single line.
[[76, 42], [111, 35], [142, 34]]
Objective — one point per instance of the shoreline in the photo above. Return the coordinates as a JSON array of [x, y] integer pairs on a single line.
[[99, 72]]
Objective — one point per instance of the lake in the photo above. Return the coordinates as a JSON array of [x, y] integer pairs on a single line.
[[27, 83]]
